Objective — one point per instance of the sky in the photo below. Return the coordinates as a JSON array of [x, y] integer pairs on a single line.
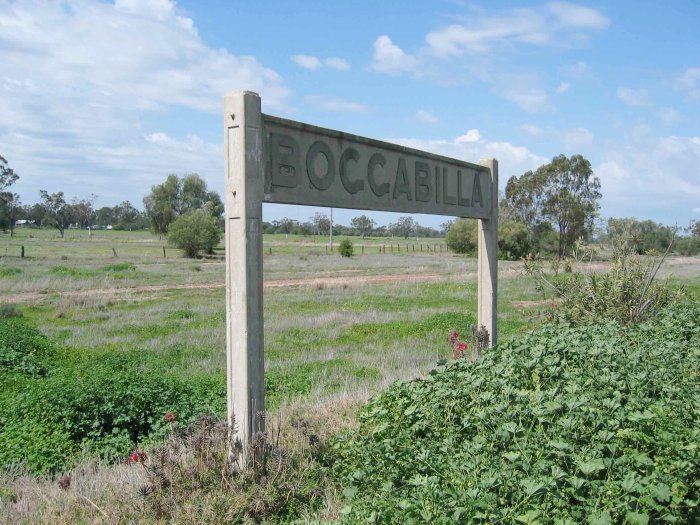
[[108, 98]]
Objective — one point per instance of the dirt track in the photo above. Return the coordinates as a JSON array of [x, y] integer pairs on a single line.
[[356, 280]]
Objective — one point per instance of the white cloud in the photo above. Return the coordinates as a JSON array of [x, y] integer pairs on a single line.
[[634, 97], [530, 99], [563, 87], [555, 24], [337, 63], [578, 69], [532, 130], [336, 104], [426, 117], [512, 160], [307, 61], [649, 175], [81, 80], [689, 82], [577, 137], [471, 135], [669, 116], [390, 59], [576, 16]]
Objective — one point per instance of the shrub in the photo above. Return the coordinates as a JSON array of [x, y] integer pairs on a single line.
[[195, 232], [345, 248], [56, 402], [628, 293], [513, 243], [461, 237], [593, 424], [8, 310], [22, 347]]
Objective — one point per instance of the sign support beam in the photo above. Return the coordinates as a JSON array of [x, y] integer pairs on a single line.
[[244, 163], [487, 261]]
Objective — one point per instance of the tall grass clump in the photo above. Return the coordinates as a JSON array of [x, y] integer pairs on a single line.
[[592, 424], [628, 293]]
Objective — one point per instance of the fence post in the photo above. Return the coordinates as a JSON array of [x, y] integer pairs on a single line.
[[163, 251], [22, 252]]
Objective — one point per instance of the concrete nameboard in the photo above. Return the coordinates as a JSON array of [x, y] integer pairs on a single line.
[[322, 167], [270, 159]]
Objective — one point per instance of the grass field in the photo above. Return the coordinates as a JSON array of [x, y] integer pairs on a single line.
[[336, 329]]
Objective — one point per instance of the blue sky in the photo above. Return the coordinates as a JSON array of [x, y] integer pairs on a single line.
[[110, 97]]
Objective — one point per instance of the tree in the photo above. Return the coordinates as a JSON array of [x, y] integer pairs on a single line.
[[178, 196], [9, 202], [462, 236], [321, 223], [404, 227], [7, 175], [641, 236], [83, 210], [195, 232], [10, 206], [563, 193], [513, 241], [694, 228], [363, 224], [56, 211]]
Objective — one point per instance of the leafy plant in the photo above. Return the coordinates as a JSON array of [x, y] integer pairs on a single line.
[[345, 248], [628, 293], [195, 232], [594, 424]]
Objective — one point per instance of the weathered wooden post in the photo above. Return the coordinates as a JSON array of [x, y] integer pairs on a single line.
[[243, 144], [487, 261]]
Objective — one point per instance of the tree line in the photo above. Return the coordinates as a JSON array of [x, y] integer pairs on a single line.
[[542, 211]]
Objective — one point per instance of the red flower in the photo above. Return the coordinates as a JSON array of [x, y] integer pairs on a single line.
[[138, 455], [170, 417], [454, 336], [460, 346]]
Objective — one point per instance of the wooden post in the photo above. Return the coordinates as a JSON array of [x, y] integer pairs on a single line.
[[164, 252], [22, 252], [487, 262], [243, 145]]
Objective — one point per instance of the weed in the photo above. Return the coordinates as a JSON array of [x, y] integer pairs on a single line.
[[9, 271], [8, 310]]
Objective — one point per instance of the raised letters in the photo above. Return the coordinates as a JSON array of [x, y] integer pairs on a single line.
[[378, 189], [284, 158], [324, 182], [352, 186], [461, 199], [476, 192], [446, 197], [423, 181], [402, 186]]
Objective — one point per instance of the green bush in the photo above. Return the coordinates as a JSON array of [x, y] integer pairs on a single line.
[[23, 348], [195, 232], [594, 424], [462, 237], [56, 403], [513, 243], [627, 293], [345, 248]]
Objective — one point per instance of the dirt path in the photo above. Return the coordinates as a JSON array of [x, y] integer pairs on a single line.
[[319, 283]]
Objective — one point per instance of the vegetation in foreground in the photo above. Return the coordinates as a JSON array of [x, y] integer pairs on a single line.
[[595, 424]]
